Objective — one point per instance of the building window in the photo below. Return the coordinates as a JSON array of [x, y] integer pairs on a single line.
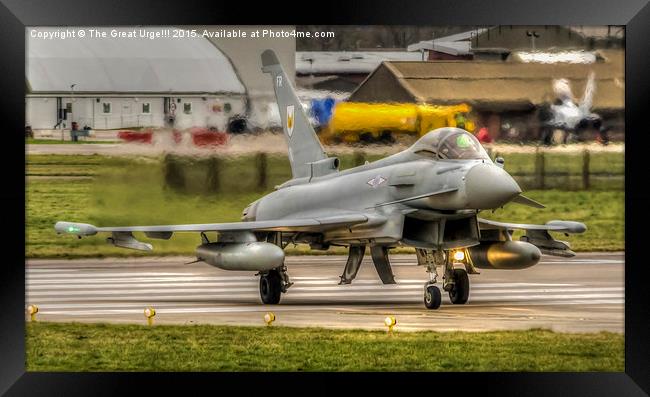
[[187, 107], [68, 107], [227, 107], [106, 107], [146, 107]]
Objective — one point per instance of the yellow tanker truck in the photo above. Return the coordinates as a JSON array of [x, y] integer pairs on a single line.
[[356, 121]]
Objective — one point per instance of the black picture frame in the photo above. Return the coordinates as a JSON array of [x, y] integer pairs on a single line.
[[15, 15]]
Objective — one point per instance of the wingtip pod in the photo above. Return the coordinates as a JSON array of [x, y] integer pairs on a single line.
[[79, 229], [569, 226], [269, 58]]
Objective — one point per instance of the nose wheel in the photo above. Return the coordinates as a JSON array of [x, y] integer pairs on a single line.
[[455, 281], [432, 297]]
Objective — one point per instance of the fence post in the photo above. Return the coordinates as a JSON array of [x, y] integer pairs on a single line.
[[539, 168], [174, 177], [359, 158], [213, 181], [585, 169], [261, 163]]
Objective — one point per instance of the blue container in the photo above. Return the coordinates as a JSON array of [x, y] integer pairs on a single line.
[[321, 109]]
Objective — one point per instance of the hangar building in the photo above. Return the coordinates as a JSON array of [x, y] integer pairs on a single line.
[[111, 83], [499, 92], [244, 53]]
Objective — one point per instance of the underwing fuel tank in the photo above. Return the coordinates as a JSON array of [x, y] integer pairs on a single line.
[[256, 255], [504, 255]]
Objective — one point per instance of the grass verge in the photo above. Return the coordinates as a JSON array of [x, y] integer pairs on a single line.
[[111, 347], [36, 141]]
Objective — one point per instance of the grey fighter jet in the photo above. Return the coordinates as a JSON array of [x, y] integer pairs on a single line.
[[427, 197], [573, 119]]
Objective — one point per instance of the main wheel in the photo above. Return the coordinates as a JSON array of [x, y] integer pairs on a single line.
[[432, 297], [459, 293], [271, 287]]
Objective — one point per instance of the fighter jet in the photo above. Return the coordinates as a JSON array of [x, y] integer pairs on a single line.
[[428, 197], [568, 116]]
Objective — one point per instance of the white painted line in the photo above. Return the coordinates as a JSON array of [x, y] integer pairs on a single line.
[[91, 293], [91, 272], [77, 289], [550, 296], [197, 281], [252, 279], [310, 294]]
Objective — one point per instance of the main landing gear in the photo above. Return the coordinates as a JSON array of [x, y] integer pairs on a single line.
[[272, 284], [455, 280], [275, 281]]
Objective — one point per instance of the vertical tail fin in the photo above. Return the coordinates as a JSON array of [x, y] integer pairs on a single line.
[[304, 146], [588, 97]]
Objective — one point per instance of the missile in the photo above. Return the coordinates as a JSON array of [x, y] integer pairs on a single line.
[[504, 255], [255, 255]]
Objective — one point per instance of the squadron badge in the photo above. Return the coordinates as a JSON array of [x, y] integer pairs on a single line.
[[290, 119]]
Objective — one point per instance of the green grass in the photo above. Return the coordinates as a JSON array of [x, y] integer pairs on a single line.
[[123, 191], [104, 347], [35, 141]]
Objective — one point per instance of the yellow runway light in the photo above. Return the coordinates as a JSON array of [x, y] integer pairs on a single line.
[[269, 318], [149, 313], [390, 322], [32, 310]]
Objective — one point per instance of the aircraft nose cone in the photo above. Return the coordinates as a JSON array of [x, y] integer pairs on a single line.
[[488, 186]]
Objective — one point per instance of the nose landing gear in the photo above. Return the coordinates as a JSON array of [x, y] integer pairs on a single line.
[[455, 281], [432, 296], [430, 259]]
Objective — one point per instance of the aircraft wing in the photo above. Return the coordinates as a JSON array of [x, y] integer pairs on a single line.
[[122, 236], [537, 235], [165, 231]]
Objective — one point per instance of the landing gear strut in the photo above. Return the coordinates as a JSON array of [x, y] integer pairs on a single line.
[[430, 259], [276, 281], [454, 281]]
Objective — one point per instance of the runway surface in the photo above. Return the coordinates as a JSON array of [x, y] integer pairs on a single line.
[[580, 294]]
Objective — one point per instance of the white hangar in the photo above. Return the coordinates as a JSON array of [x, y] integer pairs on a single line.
[[112, 83]]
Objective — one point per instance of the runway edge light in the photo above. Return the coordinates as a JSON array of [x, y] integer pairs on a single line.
[[32, 310], [390, 322], [269, 318], [149, 313]]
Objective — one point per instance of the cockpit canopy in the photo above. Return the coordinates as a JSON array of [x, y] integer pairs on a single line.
[[450, 144]]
